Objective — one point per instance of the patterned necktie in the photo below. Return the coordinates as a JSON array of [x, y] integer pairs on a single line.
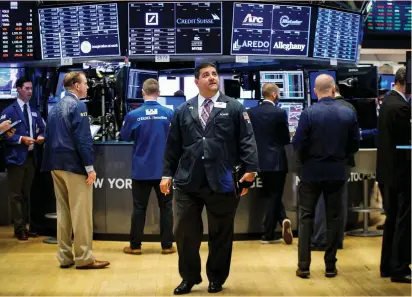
[[26, 116], [205, 112]]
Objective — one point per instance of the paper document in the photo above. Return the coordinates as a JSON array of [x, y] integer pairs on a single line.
[[94, 129]]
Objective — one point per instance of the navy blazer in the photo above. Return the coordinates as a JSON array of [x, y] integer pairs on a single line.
[[271, 128], [69, 143], [16, 153], [147, 126], [327, 134], [193, 153]]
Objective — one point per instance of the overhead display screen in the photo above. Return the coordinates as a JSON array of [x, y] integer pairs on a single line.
[[267, 29], [390, 17], [172, 28], [79, 31], [16, 30], [337, 35], [291, 83]]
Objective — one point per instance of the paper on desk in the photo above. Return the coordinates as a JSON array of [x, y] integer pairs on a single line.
[[94, 129]]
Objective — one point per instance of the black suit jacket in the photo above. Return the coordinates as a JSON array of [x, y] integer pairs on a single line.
[[271, 128], [193, 154], [341, 100], [394, 128]]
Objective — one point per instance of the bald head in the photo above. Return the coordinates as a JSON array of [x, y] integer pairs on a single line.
[[270, 91], [325, 86]]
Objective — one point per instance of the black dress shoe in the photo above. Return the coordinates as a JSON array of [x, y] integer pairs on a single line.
[[67, 266], [185, 287], [406, 279], [31, 234], [385, 274], [214, 287], [22, 235], [331, 272], [303, 273]]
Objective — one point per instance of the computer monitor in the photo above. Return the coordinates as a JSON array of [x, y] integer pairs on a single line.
[[248, 103], [232, 88], [386, 81], [293, 111], [171, 102], [290, 83], [408, 72], [136, 80], [358, 82], [312, 77], [367, 112], [8, 78], [132, 105]]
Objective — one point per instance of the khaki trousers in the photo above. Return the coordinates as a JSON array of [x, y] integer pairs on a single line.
[[74, 206]]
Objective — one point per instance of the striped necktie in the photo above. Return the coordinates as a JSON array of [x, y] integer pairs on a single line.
[[205, 112]]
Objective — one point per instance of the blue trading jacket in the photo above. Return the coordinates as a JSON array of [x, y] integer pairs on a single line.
[[69, 143], [16, 153], [147, 126]]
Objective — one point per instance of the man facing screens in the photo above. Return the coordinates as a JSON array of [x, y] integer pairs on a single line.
[[326, 136], [208, 135], [393, 170], [68, 154], [320, 230], [271, 128], [147, 126]]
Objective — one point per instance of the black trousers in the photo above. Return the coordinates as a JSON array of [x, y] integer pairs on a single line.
[[396, 242], [309, 193], [221, 210], [20, 179], [141, 192], [273, 184]]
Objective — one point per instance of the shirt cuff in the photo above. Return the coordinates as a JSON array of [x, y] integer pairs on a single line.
[[89, 168], [20, 140], [169, 177]]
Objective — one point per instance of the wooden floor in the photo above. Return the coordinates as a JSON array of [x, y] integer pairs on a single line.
[[31, 268]]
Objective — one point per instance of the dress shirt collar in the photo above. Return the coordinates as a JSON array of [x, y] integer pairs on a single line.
[[201, 99]]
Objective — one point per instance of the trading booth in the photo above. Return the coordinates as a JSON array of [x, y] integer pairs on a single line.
[[121, 44]]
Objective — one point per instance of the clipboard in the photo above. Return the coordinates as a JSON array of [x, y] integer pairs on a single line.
[[12, 125]]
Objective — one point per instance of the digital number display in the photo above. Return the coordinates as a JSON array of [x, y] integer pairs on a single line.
[[16, 30], [79, 31]]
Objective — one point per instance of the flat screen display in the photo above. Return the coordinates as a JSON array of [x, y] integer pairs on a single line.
[[290, 83], [293, 110], [16, 31], [390, 17], [248, 103], [79, 31], [312, 77], [267, 29], [8, 78], [337, 35], [136, 80], [171, 28], [171, 102], [386, 81]]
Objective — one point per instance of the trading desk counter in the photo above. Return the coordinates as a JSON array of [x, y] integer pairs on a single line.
[[112, 197]]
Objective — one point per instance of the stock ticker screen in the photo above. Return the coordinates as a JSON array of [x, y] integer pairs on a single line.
[[337, 35], [390, 17], [16, 31], [267, 29], [79, 31], [171, 28]]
